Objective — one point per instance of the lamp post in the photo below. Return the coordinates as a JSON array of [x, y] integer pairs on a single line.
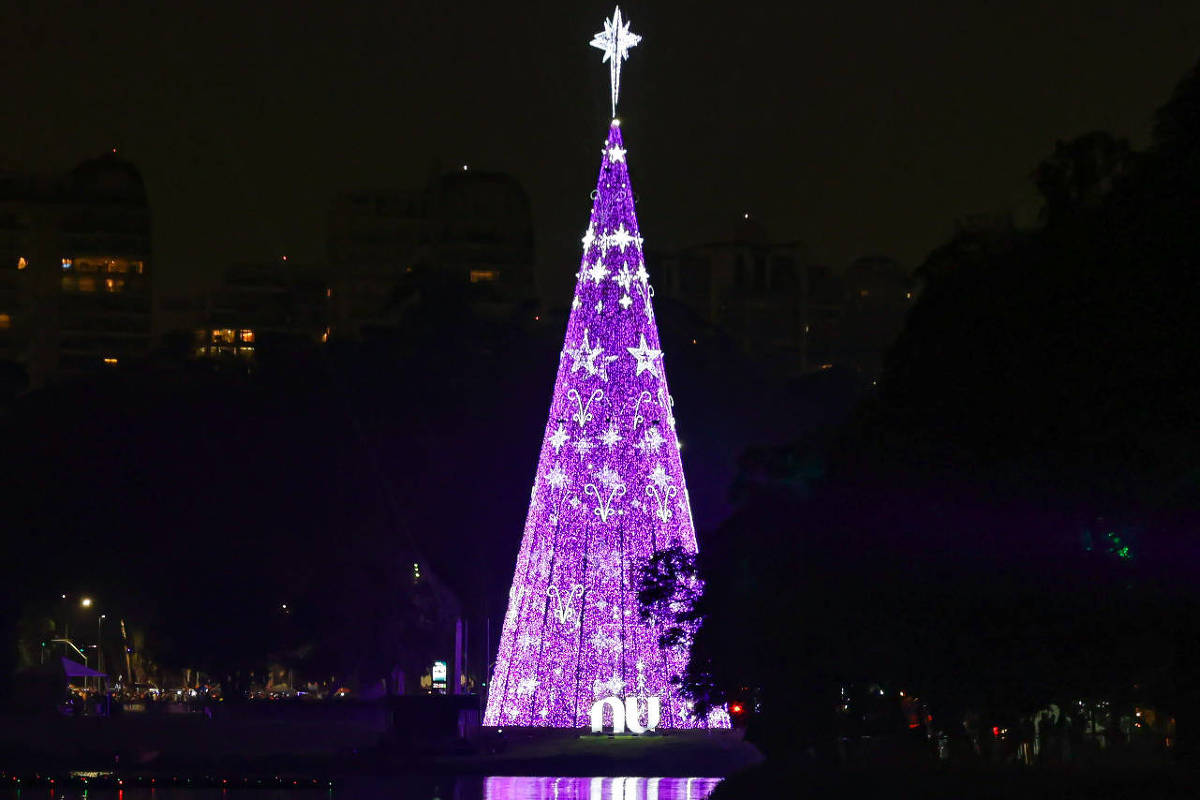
[[99, 646]]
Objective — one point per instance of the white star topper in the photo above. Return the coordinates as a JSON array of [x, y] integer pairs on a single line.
[[615, 40]]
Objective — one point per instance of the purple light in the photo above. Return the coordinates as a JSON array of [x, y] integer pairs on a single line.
[[521, 788], [609, 492]]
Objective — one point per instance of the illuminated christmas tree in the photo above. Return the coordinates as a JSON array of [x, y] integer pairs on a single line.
[[609, 492]]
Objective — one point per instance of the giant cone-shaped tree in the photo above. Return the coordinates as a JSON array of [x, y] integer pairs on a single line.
[[609, 492]]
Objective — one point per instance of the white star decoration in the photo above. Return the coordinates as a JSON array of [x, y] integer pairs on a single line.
[[608, 477], [585, 355], [624, 277], [613, 685], [615, 40], [616, 153], [556, 477], [559, 438], [589, 237], [620, 237], [597, 272], [610, 437], [660, 477], [645, 356], [626, 301], [651, 441]]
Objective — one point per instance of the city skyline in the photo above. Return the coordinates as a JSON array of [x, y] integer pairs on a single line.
[[247, 124]]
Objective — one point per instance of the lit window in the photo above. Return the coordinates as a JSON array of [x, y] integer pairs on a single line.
[[5, 322], [328, 292], [112, 362], [114, 284], [223, 336], [67, 263], [863, 293], [484, 275], [87, 284], [247, 336], [22, 263], [138, 266]]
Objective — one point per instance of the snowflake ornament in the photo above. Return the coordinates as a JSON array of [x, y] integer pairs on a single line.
[[598, 272], [620, 238], [611, 436], [557, 477], [660, 478], [652, 441], [608, 477], [559, 438]]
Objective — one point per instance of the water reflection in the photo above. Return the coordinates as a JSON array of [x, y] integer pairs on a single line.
[[404, 788], [515, 788]]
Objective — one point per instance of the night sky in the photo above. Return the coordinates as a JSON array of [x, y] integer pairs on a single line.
[[857, 126]]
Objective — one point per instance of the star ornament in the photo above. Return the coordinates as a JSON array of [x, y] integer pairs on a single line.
[[645, 356], [620, 238], [585, 356], [615, 40]]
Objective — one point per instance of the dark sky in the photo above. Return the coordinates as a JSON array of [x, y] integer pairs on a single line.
[[859, 126]]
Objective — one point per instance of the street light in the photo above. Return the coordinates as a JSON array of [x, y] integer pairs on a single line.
[[86, 602], [99, 648]]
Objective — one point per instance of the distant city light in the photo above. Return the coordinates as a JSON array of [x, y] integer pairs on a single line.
[[85, 602]]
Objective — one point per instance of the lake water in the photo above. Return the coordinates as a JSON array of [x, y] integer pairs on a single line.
[[418, 788]]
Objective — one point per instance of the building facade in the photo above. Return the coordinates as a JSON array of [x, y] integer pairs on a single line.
[[75, 269], [277, 305], [464, 228], [782, 308]]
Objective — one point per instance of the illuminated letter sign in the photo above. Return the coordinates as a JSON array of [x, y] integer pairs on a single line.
[[626, 716]]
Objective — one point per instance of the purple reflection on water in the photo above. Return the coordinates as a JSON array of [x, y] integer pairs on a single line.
[[518, 788]]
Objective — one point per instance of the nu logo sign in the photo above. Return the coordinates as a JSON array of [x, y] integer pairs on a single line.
[[626, 716]]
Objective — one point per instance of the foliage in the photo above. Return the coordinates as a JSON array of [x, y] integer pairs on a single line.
[[1011, 520]]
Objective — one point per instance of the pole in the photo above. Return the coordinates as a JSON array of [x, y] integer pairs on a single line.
[[99, 648], [125, 646]]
